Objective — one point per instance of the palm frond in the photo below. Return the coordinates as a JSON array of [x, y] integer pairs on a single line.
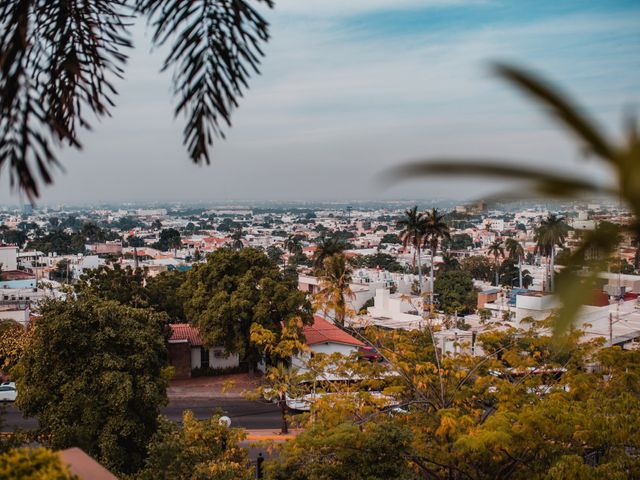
[[561, 107], [216, 46], [539, 182], [56, 60]]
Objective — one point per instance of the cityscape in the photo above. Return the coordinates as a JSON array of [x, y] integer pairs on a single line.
[[331, 259]]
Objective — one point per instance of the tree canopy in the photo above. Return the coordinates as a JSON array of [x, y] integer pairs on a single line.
[[94, 374], [234, 289]]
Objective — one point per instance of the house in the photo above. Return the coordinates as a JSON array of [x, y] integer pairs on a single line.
[[324, 337], [187, 352]]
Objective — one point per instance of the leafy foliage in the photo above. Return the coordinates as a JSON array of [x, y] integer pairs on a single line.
[[201, 449], [235, 289], [455, 292], [94, 374], [14, 340], [528, 408], [33, 463]]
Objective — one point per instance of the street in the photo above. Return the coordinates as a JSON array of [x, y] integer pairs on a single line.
[[243, 413]]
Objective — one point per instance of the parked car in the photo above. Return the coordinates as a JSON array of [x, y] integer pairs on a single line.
[[8, 392], [370, 353]]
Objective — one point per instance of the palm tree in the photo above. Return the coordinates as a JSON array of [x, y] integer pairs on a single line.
[[335, 290], [237, 239], [551, 232], [436, 230], [292, 245], [497, 250], [327, 247], [412, 232], [515, 252], [449, 261]]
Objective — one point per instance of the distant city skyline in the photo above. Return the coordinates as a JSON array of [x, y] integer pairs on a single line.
[[351, 88]]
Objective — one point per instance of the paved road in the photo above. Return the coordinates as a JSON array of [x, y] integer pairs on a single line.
[[243, 413]]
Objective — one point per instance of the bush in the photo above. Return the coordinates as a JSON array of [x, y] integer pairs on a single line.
[[214, 372]]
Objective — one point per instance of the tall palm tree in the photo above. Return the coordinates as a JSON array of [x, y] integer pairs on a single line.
[[327, 247], [335, 290], [436, 230], [516, 252], [412, 232], [237, 239], [497, 250], [551, 232], [292, 244]]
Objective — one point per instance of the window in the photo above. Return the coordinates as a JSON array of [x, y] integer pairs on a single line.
[[204, 357], [218, 353]]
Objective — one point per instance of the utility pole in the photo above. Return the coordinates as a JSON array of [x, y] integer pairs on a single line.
[[610, 329]]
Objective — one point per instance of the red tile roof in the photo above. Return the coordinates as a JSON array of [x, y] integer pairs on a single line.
[[322, 332], [185, 332]]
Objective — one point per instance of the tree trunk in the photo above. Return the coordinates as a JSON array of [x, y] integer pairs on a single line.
[[431, 279], [283, 408], [552, 268], [419, 269], [520, 271]]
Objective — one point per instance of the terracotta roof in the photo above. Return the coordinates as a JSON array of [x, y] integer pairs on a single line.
[[8, 275], [185, 332], [83, 466], [324, 332]]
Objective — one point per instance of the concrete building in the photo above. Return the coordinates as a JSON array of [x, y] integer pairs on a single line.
[[9, 257]]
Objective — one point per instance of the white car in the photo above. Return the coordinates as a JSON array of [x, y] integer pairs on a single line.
[[8, 392]]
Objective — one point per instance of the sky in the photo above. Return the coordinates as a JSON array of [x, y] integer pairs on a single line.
[[350, 88]]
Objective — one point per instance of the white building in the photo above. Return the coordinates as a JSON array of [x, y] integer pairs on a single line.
[[9, 257]]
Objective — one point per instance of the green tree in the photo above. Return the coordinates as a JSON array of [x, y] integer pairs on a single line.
[[455, 291], [551, 232], [516, 253], [327, 247], [123, 285], [234, 289], [274, 253], [33, 464], [412, 232], [335, 290], [293, 245], [497, 250], [479, 267], [435, 231], [372, 451], [169, 240], [14, 340], [197, 449], [95, 375], [390, 238], [162, 295]]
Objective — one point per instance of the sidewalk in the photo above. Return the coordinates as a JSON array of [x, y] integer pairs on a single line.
[[256, 435], [235, 385]]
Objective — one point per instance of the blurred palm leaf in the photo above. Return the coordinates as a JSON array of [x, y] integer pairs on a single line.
[[624, 159]]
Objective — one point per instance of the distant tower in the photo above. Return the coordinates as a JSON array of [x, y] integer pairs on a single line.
[[349, 209]]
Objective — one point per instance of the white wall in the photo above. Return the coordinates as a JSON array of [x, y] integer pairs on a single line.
[[9, 258], [225, 361]]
